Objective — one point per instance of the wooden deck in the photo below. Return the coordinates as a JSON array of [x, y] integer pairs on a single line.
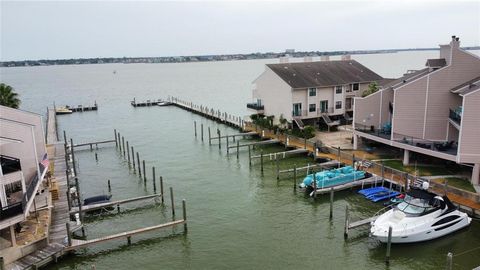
[[84, 243], [38, 258], [271, 141], [362, 222], [97, 206], [283, 154], [357, 183]]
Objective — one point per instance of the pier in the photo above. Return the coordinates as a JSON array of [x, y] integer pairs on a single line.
[[79, 108], [146, 103], [87, 208]]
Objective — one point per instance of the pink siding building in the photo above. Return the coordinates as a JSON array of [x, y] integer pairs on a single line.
[[434, 111]]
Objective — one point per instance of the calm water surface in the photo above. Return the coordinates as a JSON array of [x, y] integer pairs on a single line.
[[237, 218]]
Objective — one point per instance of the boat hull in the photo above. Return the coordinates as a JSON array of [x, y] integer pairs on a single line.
[[421, 232]]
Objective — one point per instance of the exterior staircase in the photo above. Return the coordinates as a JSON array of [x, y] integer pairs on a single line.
[[299, 123]]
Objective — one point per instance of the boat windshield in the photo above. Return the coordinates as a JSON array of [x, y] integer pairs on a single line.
[[414, 206]]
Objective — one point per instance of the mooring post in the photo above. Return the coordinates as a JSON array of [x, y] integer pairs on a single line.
[[73, 157], [338, 153], [228, 150], [449, 261], [173, 203], [133, 159], [353, 161], [184, 215], [295, 177], [109, 186], [331, 203], [68, 200], [64, 137], [238, 147], [314, 184], [249, 156], [347, 221], [139, 168], [96, 156], [305, 143], [77, 186], [195, 128], [277, 166], [69, 234], [153, 180], [128, 154], [219, 139], [144, 173], [383, 170], [115, 134], [129, 240], [261, 161], [2, 263], [123, 146], [161, 189], [209, 137], [91, 149], [119, 142], [201, 131], [389, 245], [445, 186]]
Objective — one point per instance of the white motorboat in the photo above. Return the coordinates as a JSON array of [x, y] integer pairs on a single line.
[[420, 217], [164, 103], [63, 110]]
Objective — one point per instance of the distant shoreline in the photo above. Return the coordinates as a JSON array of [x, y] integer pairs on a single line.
[[202, 58]]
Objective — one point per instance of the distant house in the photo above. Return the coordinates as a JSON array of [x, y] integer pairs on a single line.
[[24, 164], [434, 111], [311, 92]]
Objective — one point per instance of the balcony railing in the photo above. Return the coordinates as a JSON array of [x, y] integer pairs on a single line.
[[455, 116], [299, 113], [325, 111], [11, 210], [10, 164], [255, 106]]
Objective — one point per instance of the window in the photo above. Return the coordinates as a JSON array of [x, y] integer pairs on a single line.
[[338, 89], [338, 105], [355, 87], [312, 92], [311, 107], [297, 109]]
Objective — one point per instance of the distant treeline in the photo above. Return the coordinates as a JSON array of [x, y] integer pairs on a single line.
[[201, 58]]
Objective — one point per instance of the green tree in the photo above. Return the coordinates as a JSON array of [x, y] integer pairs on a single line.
[[8, 97], [372, 88]]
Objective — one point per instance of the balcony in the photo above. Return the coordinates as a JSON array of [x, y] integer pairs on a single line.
[[455, 116], [299, 113], [255, 106], [10, 164]]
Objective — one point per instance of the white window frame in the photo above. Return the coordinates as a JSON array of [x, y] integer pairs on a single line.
[[312, 89]]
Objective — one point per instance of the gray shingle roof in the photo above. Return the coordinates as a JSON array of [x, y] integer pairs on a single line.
[[405, 78], [323, 73], [440, 62]]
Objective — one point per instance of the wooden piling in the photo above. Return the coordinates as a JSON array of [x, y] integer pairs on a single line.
[[219, 139], [172, 202], [209, 137], [277, 166], [91, 149], [449, 261], [314, 184], [128, 154], [138, 163], [261, 161], [201, 131], [129, 240], [115, 134], [389, 245], [295, 177], [119, 142], [184, 215], [109, 186], [68, 200], [331, 203], [96, 156], [238, 147], [161, 189], [144, 173], [195, 128], [153, 180], [347, 221], [304, 143], [123, 146], [228, 148], [69, 234], [77, 186], [249, 156], [133, 159], [73, 157]]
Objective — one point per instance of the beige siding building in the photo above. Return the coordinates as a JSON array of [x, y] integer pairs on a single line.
[[23, 166], [311, 92], [434, 111]]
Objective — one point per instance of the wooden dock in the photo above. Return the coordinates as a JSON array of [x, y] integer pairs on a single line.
[[146, 103], [235, 135], [79, 108], [327, 164], [272, 141], [368, 181], [76, 244], [91, 144], [283, 154], [210, 113], [98, 206]]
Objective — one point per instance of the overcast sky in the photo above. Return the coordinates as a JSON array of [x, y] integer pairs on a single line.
[[52, 30]]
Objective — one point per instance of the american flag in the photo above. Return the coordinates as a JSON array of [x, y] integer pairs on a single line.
[[45, 162]]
